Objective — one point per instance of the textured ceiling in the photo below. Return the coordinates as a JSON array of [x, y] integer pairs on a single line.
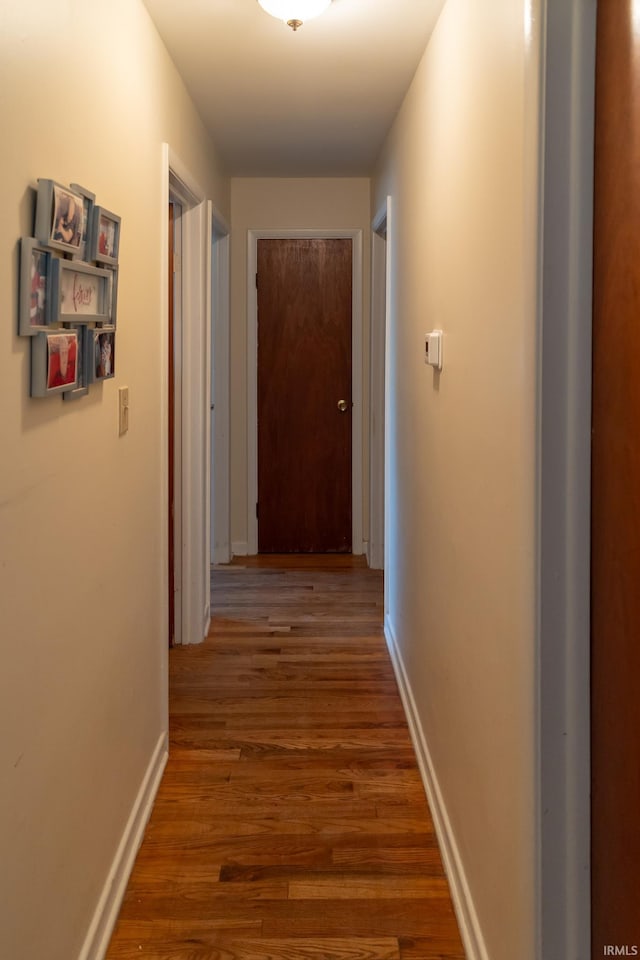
[[317, 102]]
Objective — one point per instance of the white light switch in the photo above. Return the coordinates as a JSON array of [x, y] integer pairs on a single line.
[[123, 409], [433, 349]]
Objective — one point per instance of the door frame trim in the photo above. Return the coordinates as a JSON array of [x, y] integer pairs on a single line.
[[380, 306], [564, 479], [217, 448], [179, 184], [356, 373]]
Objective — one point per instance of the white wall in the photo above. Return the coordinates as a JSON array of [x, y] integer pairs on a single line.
[[280, 204], [88, 95], [460, 166]]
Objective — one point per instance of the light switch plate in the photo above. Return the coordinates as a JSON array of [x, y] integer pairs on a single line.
[[123, 409], [433, 349]]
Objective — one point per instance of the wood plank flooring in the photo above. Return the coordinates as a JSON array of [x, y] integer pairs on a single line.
[[291, 823]]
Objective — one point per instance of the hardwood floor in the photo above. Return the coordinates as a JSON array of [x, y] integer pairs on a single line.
[[291, 823]]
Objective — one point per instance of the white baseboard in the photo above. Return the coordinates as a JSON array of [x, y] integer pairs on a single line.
[[106, 912], [222, 554], [470, 929], [239, 548]]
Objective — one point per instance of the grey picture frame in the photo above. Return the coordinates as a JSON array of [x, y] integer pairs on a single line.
[[105, 237], [113, 298], [36, 266], [102, 366], [54, 362], [82, 363], [80, 293], [89, 200], [59, 211]]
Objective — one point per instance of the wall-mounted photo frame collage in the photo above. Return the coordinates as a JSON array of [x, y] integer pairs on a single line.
[[68, 291]]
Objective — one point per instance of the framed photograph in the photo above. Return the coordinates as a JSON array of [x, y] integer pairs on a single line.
[[35, 287], [54, 362], [102, 354], [113, 296], [105, 236], [88, 202], [80, 293], [59, 212], [82, 372]]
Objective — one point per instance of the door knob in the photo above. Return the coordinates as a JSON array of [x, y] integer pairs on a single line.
[[342, 406]]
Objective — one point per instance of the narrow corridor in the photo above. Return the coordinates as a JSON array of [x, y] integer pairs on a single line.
[[291, 822]]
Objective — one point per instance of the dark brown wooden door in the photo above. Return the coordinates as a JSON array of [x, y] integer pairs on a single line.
[[615, 641], [304, 371]]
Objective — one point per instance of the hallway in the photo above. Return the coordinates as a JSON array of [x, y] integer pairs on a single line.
[[291, 821], [463, 173]]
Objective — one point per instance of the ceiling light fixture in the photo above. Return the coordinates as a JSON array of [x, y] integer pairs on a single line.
[[294, 12]]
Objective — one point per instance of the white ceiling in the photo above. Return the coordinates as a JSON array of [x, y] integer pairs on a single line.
[[317, 102]]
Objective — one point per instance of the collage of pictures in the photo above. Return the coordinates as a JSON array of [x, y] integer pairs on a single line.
[[68, 291]]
